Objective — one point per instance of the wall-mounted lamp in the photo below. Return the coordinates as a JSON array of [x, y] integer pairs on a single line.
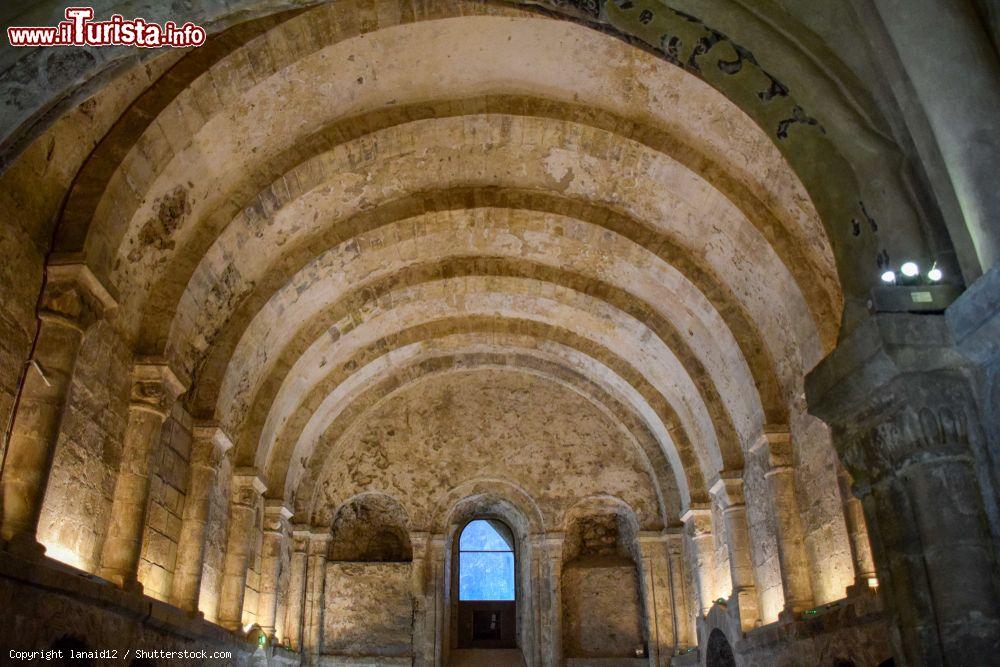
[[910, 292]]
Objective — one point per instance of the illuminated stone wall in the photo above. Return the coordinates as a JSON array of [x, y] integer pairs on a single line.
[[368, 610], [82, 480]]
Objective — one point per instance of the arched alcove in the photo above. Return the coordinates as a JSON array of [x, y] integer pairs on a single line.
[[603, 606], [285, 314], [371, 528], [718, 652], [494, 508], [487, 585], [368, 602]]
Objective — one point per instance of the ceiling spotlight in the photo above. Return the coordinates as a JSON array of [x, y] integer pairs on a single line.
[[889, 277], [934, 275], [910, 269]]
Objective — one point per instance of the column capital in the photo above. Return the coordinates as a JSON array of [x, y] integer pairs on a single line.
[[553, 544], [73, 294], [729, 489], [276, 516], [652, 537], [300, 538], [775, 443], [419, 543], [319, 542], [248, 486], [882, 365], [435, 547], [206, 429], [697, 519], [210, 444], [155, 386], [894, 392], [652, 543]]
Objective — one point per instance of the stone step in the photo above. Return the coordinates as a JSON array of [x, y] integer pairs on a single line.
[[486, 658]]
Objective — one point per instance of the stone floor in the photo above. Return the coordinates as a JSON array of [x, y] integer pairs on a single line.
[[487, 658]]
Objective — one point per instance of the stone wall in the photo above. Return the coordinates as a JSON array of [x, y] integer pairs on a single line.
[[368, 610], [31, 194], [45, 607], [602, 608], [439, 433], [850, 632]]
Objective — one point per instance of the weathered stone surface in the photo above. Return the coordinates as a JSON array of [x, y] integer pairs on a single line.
[[602, 610], [447, 431], [45, 607], [423, 263], [369, 609]]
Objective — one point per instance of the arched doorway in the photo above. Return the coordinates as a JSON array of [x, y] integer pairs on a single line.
[[486, 585], [719, 653]]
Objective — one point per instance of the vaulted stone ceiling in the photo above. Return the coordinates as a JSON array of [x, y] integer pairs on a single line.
[[323, 207], [580, 253], [318, 207]]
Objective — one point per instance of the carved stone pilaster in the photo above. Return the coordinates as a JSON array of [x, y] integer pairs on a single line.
[[552, 548], [276, 532], [865, 578], [775, 446], [698, 529], [312, 635], [72, 300], [423, 600], [155, 387], [247, 496], [680, 590], [209, 447], [729, 491], [898, 397], [657, 595], [297, 587]]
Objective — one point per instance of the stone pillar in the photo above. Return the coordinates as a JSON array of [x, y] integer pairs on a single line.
[[423, 602], [684, 631], [297, 588], [276, 535], [900, 402], [533, 598], [659, 608], [698, 528], [729, 491], [312, 634], [857, 534], [209, 446], [154, 390], [72, 300], [553, 552], [439, 583], [246, 499], [776, 446]]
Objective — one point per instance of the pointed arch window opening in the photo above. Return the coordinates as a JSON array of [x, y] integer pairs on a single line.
[[486, 562]]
